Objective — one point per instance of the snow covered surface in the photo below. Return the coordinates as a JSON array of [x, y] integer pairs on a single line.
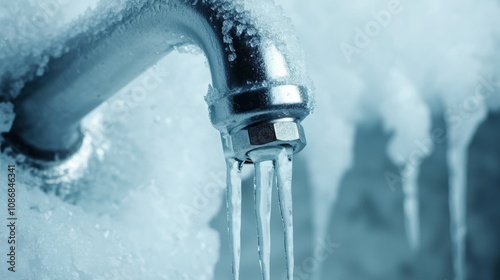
[[155, 180], [146, 198]]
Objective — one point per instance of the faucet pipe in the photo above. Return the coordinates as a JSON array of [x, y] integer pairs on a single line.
[[259, 94]]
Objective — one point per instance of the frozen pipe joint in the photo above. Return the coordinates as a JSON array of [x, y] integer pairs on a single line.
[[259, 92]]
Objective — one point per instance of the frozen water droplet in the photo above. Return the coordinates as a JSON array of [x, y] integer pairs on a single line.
[[251, 31], [239, 29], [226, 27], [212, 95]]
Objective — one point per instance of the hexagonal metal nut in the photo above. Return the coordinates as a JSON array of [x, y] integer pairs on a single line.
[[271, 134]]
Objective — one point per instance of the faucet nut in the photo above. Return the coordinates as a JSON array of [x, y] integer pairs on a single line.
[[269, 134]]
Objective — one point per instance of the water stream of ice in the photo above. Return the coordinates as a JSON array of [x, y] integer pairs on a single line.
[[264, 177], [273, 166], [234, 212], [284, 172]]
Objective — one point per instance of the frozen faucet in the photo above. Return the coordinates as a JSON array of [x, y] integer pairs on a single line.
[[259, 91]]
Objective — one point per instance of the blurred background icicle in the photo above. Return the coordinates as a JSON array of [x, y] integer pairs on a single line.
[[408, 118], [460, 137]]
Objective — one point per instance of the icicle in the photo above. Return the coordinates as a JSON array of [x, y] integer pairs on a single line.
[[407, 115], [267, 162], [234, 212], [460, 136], [284, 174], [457, 161], [264, 177], [411, 206]]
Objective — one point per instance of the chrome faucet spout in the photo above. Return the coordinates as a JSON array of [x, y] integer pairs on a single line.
[[260, 91]]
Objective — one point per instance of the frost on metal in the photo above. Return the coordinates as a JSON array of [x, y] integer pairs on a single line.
[[29, 45]]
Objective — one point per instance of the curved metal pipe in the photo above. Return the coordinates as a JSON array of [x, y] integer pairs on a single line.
[[257, 75]]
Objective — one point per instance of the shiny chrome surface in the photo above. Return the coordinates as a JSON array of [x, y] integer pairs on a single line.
[[257, 83]]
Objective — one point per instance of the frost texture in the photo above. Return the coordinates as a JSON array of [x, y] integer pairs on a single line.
[[147, 198], [212, 95], [261, 22], [37, 30], [33, 30]]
